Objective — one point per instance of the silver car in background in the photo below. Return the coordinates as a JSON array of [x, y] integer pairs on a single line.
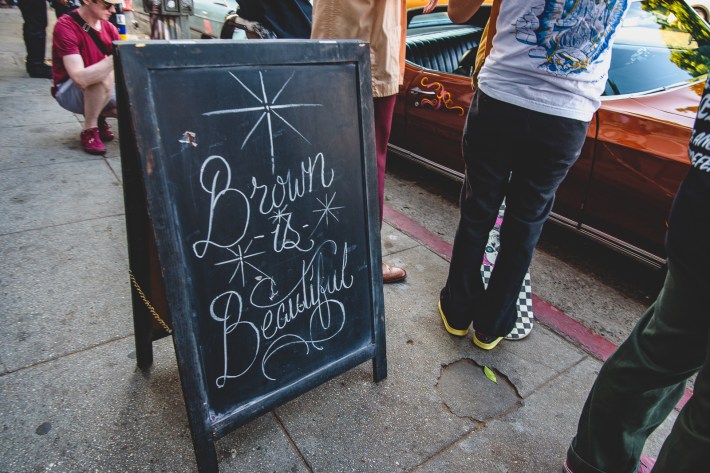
[[209, 16]]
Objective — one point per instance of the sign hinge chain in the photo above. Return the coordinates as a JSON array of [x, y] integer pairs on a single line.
[[147, 303]]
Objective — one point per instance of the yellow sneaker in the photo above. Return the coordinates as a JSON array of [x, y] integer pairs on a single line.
[[485, 342], [449, 328]]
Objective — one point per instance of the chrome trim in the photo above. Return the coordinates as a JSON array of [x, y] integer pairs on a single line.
[[660, 90], [564, 221], [597, 236], [634, 252], [436, 167]]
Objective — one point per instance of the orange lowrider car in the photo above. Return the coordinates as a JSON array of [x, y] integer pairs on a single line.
[[620, 190], [423, 3]]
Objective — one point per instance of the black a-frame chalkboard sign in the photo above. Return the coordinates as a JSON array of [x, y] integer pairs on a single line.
[[252, 216]]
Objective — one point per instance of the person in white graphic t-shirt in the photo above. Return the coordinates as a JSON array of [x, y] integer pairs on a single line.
[[537, 92]]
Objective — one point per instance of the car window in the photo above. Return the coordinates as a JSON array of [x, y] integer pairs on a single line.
[[661, 44]]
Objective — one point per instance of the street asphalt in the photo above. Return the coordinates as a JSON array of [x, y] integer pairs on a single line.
[[72, 399]]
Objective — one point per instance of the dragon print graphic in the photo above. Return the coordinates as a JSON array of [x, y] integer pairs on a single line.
[[569, 35]]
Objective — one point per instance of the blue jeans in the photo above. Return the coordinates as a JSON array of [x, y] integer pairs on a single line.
[[520, 155], [641, 383]]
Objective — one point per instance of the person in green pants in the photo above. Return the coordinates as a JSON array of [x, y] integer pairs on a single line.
[[641, 383]]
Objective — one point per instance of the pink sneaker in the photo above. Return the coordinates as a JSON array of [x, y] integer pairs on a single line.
[[105, 130], [645, 465], [91, 141]]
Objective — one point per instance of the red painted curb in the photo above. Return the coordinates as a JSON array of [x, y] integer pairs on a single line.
[[594, 344], [406, 225], [552, 317]]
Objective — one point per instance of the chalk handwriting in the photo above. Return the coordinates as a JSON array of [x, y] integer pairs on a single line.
[[273, 200], [315, 294], [287, 188], [229, 304], [221, 194], [285, 290]]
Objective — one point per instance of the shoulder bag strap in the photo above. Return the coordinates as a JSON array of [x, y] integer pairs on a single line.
[[92, 32]]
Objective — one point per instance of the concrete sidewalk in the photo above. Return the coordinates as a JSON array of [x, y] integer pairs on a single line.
[[72, 399]]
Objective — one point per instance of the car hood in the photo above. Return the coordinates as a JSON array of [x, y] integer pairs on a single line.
[[679, 105]]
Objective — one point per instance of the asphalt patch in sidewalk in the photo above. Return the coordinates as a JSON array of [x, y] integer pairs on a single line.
[[467, 392]]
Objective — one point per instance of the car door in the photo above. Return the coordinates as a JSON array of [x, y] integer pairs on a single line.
[[570, 196], [436, 107], [640, 158]]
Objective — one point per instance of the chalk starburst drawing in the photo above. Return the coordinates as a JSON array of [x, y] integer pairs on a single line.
[[240, 259], [280, 215], [267, 109], [326, 211]]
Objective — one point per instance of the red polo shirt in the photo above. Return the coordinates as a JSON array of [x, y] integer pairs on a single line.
[[69, 38]]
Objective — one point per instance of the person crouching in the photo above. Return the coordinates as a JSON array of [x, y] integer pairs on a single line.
[[82, 69]]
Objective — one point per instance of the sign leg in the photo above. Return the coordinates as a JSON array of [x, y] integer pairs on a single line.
[[206, 456]]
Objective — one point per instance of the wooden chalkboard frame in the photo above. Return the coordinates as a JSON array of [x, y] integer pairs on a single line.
[[153, 233]]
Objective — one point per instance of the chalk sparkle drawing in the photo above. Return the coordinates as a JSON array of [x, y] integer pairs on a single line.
[[240, 261], [268, 108], [326, 210], [443, 97]]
